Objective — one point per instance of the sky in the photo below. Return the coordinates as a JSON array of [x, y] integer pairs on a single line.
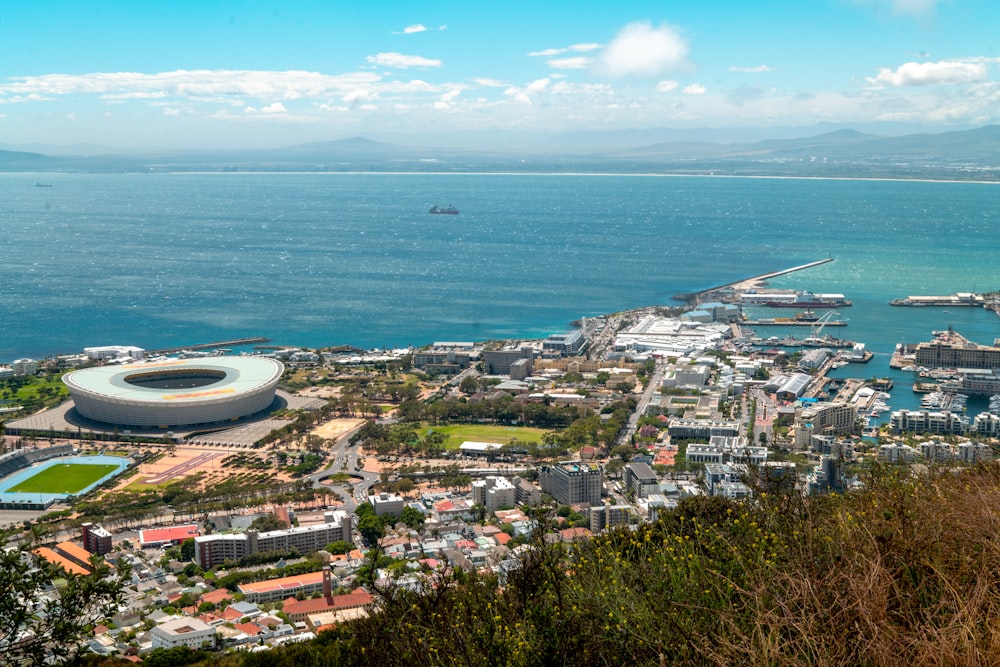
[[221, 74]]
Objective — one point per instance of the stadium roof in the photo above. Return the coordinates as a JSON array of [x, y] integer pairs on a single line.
[[236, 375]]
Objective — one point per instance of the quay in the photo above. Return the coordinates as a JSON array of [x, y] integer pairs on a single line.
[[210, 346], [961, 299], [696, 297], [789, 322]]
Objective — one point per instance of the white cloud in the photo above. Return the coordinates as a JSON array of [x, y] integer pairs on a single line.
[[212, 85], [751, 70], [575, 48], [359, 94], [639, 49], [931, 74], [488, 83], [417, 27], [694, 89], [277, 107], [666, 86], [402, 61], [523, 95], [578, 62]]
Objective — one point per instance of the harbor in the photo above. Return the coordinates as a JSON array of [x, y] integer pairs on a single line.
[[209, 346], [693, 298]]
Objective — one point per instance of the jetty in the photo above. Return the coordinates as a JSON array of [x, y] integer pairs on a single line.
[[692, 298], [790, 322], [209, 346]]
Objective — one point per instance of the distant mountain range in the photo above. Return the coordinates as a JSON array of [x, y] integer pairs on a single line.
[[964, 155]]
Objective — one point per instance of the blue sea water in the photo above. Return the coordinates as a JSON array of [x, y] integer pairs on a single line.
[[160, 260]]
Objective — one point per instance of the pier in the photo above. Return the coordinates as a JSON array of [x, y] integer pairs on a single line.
[[790, 322], [696, 297], [209, 346]]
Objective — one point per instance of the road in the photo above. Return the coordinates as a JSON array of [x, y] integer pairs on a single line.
[[344, 458], [652, 386]]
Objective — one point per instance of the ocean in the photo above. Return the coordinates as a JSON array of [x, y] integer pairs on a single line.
[[161, 260]]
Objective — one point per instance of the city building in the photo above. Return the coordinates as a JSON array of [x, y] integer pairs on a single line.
[[189, 632], [499, 362], [111, 352], [603, 517], [301, 610], [24, 366], [494, 493], [925, 421], [444, 358], [211, 550], [95, 539], [573, 482], [271, 590], [956, 352], [836, 417], [565, 344], [701, 429], [160, 537], [387, 503], [640, 480]]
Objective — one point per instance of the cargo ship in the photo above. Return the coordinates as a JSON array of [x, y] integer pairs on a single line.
[[443, 210], [809, 300]]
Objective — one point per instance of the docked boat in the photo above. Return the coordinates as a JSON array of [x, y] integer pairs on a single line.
[[809, 300], [443, 210]]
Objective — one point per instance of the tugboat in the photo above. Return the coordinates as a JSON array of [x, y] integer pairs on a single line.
[[438, 210]]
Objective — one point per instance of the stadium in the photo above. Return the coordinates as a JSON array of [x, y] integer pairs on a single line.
[[177, 392]]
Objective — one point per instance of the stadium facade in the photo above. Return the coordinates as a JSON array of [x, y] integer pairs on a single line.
[[176, 392]]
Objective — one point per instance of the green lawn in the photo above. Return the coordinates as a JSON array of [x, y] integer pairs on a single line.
[[459, 433], [64, 478]]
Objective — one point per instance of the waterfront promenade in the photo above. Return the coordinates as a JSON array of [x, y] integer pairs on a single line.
[[692, 298]]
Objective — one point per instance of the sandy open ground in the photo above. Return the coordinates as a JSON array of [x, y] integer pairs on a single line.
[[182, 462], [320, 392], [335, 428]]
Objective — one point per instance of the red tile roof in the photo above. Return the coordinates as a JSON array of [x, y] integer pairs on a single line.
[[217, 596], [360, 597], [172, 534]]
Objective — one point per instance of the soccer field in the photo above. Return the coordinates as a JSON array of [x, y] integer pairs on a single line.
[[458, 433], [66, 478]]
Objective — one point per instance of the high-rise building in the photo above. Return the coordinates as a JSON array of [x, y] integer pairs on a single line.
[[573, 482]]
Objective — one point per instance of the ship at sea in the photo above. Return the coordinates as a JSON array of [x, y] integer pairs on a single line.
[[808, 300], [443, 210]]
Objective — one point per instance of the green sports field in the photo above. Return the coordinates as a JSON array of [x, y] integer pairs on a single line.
[[456, 434], [66, 478]]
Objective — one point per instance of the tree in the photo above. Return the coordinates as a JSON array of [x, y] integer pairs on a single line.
[[187, 550], [39, 626]]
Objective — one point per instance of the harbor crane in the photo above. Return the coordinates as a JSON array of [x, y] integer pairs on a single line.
[[814, 338], [817, 328]]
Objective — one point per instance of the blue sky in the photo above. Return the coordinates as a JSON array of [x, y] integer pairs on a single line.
[[265, 73]]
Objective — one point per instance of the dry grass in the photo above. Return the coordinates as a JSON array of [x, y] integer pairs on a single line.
[[903, 574]]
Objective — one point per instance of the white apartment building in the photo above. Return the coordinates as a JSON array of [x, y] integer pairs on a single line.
[[185, 631]]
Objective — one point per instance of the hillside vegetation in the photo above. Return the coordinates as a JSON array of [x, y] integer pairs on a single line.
[[902, 573]]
